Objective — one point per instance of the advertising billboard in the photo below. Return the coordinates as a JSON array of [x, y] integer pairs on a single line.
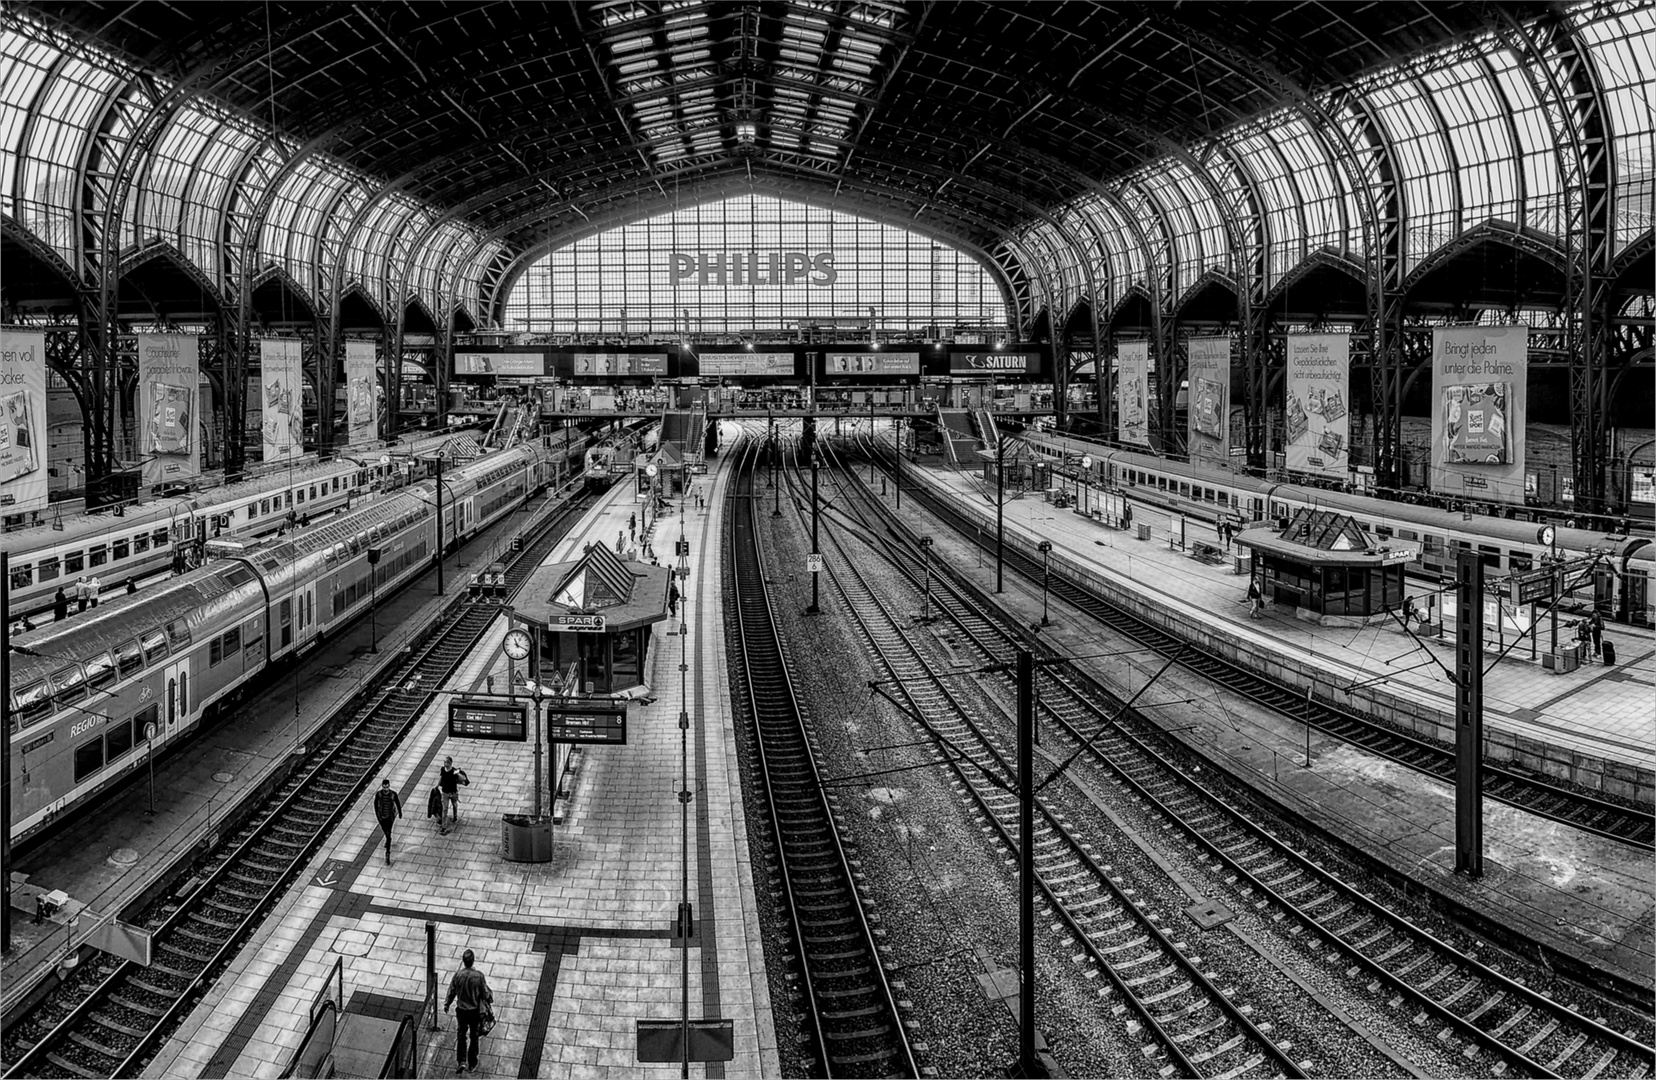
[[360, 387], [1479, 402], [871, 363], [1133, 392], [474, 362], [1318, 405], [169, 377], [615, 363], [22, 420], [282, 397], [994, 363], [1209, 421], [747, 363]]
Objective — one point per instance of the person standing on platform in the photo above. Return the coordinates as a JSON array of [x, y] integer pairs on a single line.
[[632, 526], [93, 588], [672, 598], [1127, 515], [469, 992], [1595, 627], [60, 605], [83, 595], [620, 542], [449, 780], [388, 808], [131, 586]]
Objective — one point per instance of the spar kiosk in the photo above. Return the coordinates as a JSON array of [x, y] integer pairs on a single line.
[[1328, 567]]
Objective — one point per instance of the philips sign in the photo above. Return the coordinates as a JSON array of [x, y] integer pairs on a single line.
[[747, 268], [966, 363]]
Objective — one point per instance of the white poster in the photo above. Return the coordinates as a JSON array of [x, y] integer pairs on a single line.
[[1133, 392], [1209, 398], [360, 384], [169, 378], [22, 420], [1479, 400], [1318, 405], [281, 381]]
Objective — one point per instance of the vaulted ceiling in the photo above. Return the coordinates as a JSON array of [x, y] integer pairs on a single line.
[[546, 121]]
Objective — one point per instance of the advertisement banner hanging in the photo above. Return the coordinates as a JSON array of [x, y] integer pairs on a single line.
[[22, 420], [360, 385], [169, 377], [1318, 407], [1479, 400], [746, 363], [1133, 392], [871, 363], [994, 363], [500, 363], [282, 382], [1209, 429]]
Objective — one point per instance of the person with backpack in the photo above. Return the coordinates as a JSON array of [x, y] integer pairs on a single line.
[[469, 991], [387, 808], [449, 780]]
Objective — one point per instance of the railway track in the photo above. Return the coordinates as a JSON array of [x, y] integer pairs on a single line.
[[856, 1024], [108, 1020], [1518, 1028], [1579, 809], [1197, 1026]]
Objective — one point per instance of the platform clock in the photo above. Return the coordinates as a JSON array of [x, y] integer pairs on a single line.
[[516, 644]]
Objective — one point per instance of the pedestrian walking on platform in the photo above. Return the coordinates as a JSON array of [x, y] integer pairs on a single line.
[[449, 780], [83, 595], [632, 526], [60, 605], [388, 808], [620, 542], [1595, 627], [672, 598], [472, 999], [1256, 604]]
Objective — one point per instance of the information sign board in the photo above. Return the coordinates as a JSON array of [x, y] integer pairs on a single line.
[[586, 722], [494, 720], [871, 363], [1531, 589], [813, 562], [579, 624], [746, 363]]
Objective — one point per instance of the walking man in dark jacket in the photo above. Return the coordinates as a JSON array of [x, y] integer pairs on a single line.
[[60, 605], [469, 991], [449, 780], [388, 808], [1595, 628]]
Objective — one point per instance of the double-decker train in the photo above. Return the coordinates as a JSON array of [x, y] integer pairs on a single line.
[[611, 458], [1621, 580], [179, 651]]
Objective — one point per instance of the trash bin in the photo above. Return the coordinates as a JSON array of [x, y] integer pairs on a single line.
[[525, 839], [1144, 532], [1241, 565], [1561, 662]]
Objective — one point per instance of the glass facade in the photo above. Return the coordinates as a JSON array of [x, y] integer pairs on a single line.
[[627, 281]]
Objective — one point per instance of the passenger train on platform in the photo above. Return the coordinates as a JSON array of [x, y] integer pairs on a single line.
[[1622, 579], [180, 651], [611, 458]]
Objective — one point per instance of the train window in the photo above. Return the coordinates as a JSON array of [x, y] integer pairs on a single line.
[[253, 633], [160, 538], [1224, 498], [264, 506], [74, 562], [68, 684], [34, 703], [313, 491], [129, 657], [89, 758], [140, 544], [1519, 561], [178, 635], [98, 554], [232, 642], [120, 549], [50, 568], [155, 645], [252, 511], [118, 740], [215, 652], [22, 577], [1431, 545], [336, 483], [100, 671], [1489, 556], [1384, 532]]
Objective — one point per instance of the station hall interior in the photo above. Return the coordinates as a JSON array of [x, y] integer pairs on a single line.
[[806, 538]]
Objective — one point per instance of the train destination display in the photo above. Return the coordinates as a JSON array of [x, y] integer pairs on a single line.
[[497, 721]]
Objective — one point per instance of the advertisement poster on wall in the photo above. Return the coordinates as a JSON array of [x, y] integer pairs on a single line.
[[532, 364], [281, 382], [746, 363], [360, 384], [1479, 376], [1133, 392], [22, 420], [871, 363], [169, 377], [994, 363], [1318, 406], [1209, 427]]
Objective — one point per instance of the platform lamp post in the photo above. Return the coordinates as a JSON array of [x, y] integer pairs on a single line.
[[1000, 511], [1045, 548], [897, 462], [925, 557], [373, 602]]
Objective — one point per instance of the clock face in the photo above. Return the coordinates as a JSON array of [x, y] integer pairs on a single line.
[[1547, 535], [517, 644]]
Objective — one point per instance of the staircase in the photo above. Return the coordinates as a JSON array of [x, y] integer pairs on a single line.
[[956, 426]]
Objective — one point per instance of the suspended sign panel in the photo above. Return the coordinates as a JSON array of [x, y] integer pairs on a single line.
[[521, 364], [1133, 417], [747, 363], [580, 722], [871, 363], [1209, 435], [1318, 410], [495, 721], [1479, 398], [22, 420], [281, 380], [994, 363], [360, 387]]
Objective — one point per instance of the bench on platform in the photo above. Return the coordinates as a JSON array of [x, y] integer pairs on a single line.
[[1208, 553]]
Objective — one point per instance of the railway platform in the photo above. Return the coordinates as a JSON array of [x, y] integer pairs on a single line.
[[576, 950], [109, 861], [1585, 896]]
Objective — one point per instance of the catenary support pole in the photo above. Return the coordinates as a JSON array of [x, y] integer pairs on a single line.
[[816, 579], [5, 754], [1028, 1063], [1000, 513]]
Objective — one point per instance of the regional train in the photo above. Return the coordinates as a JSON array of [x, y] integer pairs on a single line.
[[1622, 580], [611, 458], [151, 536], [178, 652]]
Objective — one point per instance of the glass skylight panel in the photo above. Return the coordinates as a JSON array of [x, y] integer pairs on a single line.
[[1623, 40]]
